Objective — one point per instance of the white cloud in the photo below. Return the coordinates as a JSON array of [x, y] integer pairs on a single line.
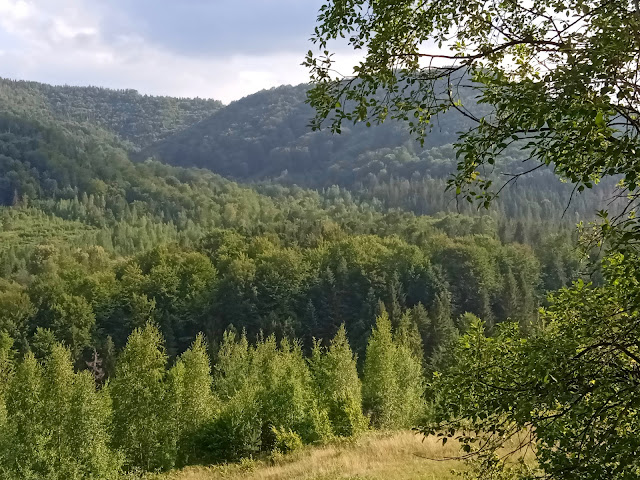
[[65, 42]]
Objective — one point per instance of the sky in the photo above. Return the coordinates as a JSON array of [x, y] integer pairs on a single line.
[[222, 49]]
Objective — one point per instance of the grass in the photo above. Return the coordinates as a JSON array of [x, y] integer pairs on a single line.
[[397, 456]]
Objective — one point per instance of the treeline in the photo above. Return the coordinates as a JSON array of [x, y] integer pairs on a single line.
[[261, 396], [92, 300]]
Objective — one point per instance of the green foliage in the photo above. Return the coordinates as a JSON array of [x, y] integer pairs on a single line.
[[557, 81], [196, 405], [57, 424], [286, 441], [338, 388], [126, 262], [393, 385], [144, 403], [545, 78], [567, 389]]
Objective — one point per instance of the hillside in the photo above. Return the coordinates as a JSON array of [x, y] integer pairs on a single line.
[[265, 137], [138, 119]]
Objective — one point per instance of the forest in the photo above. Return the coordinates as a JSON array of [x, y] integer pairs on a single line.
[[186, 283], [174, 316]]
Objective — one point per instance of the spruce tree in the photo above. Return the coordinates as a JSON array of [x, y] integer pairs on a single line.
[[443, 331]]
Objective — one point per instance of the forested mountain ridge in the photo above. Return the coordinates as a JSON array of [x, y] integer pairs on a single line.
[[135, 118], [266, 137]]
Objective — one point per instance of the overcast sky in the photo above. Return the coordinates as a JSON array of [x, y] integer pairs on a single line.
[[223, 49]]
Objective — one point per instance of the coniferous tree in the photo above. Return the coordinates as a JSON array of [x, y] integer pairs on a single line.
[[443, 331], [408, 334]]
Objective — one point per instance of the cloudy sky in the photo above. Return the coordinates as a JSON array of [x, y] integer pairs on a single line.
[[223, 49]]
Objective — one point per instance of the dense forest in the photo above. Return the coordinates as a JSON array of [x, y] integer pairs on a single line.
[[173, 316], [266, 137]]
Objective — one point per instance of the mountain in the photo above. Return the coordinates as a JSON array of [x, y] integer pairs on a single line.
[[265, 138], [138, 119]]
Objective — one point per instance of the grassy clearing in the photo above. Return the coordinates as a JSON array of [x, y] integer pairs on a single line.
[[397, 456]]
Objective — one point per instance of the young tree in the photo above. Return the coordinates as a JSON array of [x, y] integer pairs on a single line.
[[339, 390], [285, 393], [410, 378], [6, 373], [143, 406], [192, 384], [22, 453], [76, 420], [379, 382], [236, 429]]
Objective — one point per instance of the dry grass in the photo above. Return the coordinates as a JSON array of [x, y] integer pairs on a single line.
[[397, 456]]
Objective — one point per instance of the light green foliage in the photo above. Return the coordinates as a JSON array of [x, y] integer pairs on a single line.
[[286, 441], [286, 394], [196, 404], [6, 372], [42, 343], [16, 309], [262, 387], [338, 388], [75, 420], [143, 402], [380, 384], [236, 430], [22, 447], [393, 382]]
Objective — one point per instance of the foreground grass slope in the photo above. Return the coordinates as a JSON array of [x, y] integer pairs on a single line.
[[399, 456]]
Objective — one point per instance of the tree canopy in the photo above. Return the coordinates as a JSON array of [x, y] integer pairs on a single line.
[[558, 81]]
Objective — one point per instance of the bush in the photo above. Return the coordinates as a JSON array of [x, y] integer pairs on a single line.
[[286, 440]]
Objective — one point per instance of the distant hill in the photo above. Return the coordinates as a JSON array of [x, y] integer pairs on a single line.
[[135, 118], [266, 136]]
